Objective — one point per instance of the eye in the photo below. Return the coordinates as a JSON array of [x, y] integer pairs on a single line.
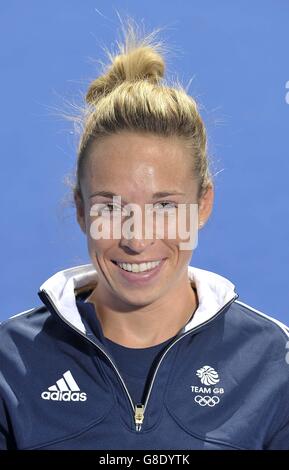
[[166, 205], [109, 208]]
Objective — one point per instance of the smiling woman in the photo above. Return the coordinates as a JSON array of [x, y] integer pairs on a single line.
[[148, 276], [137, 349]]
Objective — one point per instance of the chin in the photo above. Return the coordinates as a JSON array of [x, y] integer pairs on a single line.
[[140, 300]]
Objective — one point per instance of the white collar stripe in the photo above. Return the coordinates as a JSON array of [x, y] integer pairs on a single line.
[[214, 292]]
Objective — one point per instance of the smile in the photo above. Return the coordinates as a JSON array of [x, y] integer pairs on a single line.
[[138, 267]]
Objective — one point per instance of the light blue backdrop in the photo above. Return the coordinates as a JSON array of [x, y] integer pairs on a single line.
[[237, 52]]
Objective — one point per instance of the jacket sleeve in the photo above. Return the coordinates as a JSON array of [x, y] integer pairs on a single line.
[[6, 441], [280, 440]]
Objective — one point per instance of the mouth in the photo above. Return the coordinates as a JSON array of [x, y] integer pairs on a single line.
[[139, 273], [138, 267]]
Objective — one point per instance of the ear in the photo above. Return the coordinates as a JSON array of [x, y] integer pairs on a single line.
[[206, 205], [80, 212]]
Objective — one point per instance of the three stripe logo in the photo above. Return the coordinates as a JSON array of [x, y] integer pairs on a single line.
[[65, 389]]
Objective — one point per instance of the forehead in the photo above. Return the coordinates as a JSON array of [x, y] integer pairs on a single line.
[[138, 161]]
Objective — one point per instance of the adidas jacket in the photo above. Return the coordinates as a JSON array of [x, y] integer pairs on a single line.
[[222, 383]]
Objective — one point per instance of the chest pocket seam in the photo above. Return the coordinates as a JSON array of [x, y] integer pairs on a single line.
[[202, 438]]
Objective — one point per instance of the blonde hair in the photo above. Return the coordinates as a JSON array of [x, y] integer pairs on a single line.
[[132, 94]]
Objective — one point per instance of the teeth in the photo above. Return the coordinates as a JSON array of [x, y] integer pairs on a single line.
[[139, 268]]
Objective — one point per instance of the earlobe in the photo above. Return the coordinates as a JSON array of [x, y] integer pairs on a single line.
[[206, 206]]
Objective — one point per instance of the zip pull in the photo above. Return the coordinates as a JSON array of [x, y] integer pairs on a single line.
[[138, 416]]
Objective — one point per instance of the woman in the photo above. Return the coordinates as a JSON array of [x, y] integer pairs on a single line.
[[139, 350]]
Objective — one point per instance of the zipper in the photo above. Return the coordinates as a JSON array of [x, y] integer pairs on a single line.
[[139, 408], [138, 416]]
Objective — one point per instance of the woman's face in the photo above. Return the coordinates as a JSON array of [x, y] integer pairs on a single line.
[[142, 169]]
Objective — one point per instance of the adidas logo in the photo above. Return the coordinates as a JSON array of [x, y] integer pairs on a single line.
[[66, 389]]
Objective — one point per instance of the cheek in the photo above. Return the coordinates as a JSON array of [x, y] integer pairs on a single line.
[[187, 229], [178, 256], [99, 232], [181, 242], [99, 248], [182, 224], [99, 240]]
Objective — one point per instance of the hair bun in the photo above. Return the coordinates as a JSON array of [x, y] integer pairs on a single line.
[[141, 63]]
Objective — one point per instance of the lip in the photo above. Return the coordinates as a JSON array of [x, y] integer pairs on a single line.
[[140, 278], [137, 262]]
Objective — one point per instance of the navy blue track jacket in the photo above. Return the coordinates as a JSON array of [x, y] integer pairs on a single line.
[[221, 383]]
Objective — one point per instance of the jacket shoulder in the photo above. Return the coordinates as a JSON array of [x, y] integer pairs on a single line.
[[262, 334], [24, 324], [260, 321]]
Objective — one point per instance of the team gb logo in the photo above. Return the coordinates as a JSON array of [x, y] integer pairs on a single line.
[[208, 375]]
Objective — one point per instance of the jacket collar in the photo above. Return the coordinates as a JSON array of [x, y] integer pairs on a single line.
[[214, 292]]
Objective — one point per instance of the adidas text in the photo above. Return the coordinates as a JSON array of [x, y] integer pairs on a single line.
[[64, 396]]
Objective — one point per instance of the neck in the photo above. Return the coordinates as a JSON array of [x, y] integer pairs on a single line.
[[147, 325]]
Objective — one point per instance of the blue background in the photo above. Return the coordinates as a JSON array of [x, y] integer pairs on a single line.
[[237, 54]]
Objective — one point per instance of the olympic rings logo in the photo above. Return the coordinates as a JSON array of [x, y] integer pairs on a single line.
[[207, 400]]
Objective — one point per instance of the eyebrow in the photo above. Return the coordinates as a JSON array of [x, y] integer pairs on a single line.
[[157, 195]]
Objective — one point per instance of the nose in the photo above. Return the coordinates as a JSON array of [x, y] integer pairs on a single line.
[[137, 237], [135, 244]]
